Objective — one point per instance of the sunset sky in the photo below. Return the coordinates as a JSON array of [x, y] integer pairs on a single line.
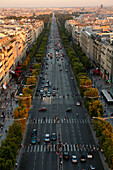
[[54, 3]]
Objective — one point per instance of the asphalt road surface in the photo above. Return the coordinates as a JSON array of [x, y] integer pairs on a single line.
[[72, 128]]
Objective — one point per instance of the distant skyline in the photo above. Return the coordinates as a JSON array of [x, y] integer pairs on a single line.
[[54, 3]]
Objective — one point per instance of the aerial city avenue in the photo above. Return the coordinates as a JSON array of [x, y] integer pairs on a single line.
[[56, 85]]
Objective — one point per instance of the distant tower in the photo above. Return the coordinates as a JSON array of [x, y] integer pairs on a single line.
[[101, 6]]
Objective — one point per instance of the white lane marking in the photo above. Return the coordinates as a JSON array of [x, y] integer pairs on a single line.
[[74, 147], [72, 121], [35, 148], [38, 148], [41, 148], [31, 149]]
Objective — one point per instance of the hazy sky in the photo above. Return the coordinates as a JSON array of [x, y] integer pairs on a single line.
[[54, 3]]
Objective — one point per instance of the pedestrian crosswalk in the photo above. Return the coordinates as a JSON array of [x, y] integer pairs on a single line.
[[60, 97], [63, 121], [64, 147]]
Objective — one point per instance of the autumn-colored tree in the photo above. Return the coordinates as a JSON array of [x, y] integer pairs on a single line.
[[27, 90], [31, 81], [91, 93], [96, 109]]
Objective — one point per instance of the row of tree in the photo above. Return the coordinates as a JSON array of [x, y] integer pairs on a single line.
[[78, 60], [11, 144]]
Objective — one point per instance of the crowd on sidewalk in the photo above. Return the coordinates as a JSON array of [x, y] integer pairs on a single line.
[[7, 106]]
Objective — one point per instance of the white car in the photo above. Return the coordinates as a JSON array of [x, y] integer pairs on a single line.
[[72, 78], [74, 159], [78, 103], [47, 138], [89, 155]]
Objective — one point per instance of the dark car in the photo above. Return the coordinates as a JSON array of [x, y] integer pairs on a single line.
[[34, 132], [53, 136], [83, 158], [69, 110], [66, 155], [91, 167], [33, 140]]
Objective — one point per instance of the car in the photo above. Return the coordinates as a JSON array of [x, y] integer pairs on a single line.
[[60, 69], [66, 155], [44, 95], [69, 110], [89, 155], [78, 103], [43, 109], [91, 167], [74, 159], [111, 114], [66, 70], [34, 132], [54, 93], [72, 78], [47, 138], [48, 94], [83, 158], [54, 88], [53, 136], [33, 140], [46, 85], [37, 93], [40, 75]]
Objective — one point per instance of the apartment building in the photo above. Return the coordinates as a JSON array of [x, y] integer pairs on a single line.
[[15, 41]]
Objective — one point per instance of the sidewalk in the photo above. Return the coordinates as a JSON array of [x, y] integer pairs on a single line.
[[100, 84], [7, 107]]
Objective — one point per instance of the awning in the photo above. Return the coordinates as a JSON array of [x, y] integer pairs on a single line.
[[18, 68], [97, 72]]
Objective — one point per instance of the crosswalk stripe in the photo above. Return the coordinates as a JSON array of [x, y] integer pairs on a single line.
[[71, 147], [68, 148], [62, 120], [74, 147], [75, 120], [69, 120], [46, 120], [38, 148], [54, 147], [31, 149], [41, 148], [35, 148], [44, 148], [51, 149], [78, 149], [72, 121], [41, 121], [64, 148]]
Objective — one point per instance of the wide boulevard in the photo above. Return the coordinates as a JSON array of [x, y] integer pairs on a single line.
[[73, 128]]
